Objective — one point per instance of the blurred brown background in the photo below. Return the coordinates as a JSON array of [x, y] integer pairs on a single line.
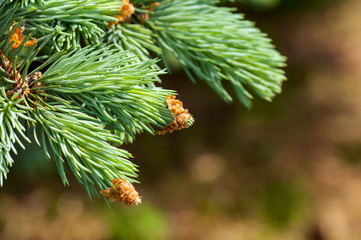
[[287, 170]]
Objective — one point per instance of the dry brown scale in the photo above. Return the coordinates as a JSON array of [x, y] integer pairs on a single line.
[[8, 67], [122, 191], [126, 12], [145, 16], [18, 37], [128, 9], [179, 114], [23, 87]]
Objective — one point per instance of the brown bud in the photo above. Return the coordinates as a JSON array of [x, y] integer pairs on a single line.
[[122, 191]]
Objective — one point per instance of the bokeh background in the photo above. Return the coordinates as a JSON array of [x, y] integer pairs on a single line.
[[287, 170]]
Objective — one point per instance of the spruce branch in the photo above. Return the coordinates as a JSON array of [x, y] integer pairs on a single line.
[[214, 44], [24, 3], [112, 86], [83, 103], [80, 75], [134, 37], [12, 130], [75, 23], [83, 142]]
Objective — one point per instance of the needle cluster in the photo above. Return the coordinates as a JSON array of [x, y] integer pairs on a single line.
[[83, 77]]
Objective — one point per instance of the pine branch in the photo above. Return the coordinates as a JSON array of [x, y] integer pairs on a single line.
[[134, 37], [112, 86], [93, 85], [76, 23], [23, 3], [85, 100], [12, 118], [214, 45], [83, 142]]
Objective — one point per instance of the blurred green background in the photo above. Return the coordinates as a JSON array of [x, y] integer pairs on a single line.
[[287, 170]]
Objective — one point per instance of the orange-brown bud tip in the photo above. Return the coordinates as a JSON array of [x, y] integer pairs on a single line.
[[122, 191], [179, 114], [18, 38]]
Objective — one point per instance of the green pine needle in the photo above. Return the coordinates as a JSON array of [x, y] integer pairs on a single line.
[[76, 23], [133, 37], [12, 130], [214, 45], [97, 88], [82, 141], [112, 86], [85, 102]]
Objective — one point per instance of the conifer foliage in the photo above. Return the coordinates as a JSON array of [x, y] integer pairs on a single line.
[[81, 77]]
